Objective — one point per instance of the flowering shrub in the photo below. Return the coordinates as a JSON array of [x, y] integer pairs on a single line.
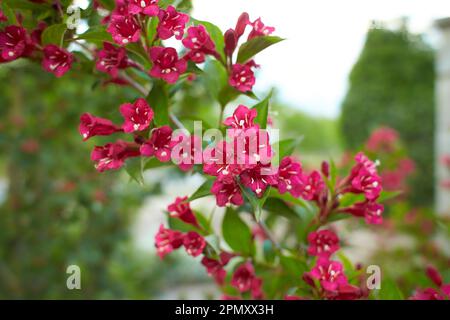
[[255, 177]]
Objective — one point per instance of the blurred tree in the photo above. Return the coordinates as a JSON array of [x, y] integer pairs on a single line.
[[392, 84]]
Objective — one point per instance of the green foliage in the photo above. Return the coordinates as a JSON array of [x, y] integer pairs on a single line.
[[392, 84]]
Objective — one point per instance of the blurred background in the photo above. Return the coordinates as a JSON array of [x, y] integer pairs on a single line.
[[347, 69]]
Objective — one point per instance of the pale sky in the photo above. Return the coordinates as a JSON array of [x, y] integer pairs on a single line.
[[324, 38]]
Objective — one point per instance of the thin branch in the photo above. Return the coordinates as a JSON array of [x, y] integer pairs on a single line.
[[134, 84]]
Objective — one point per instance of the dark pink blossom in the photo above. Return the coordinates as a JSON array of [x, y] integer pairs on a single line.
[[194, 243], [289, 176], [227, 193], [243, 277], [112, 156], [344, 292], [370, 210], [367, 183], [167, 240], [57, 60], [256, 289], [259, 29], [147, 7], [187, 152], [138, 116], [13, 43], [329, 273], [199, 42], [323, 243], [166, 64], [3, 18], [427, 294], [36, 34], [231, 42], [382, 139], [219, 161], [215, 269], [258, 178], [171, 23], [121, 8], [251, 146], [124, 29], [111, 59], [434, 275], [181, 209], [91, 126], [242, 76], [311, 186], [242, 23], [159, 145], [243, 118]]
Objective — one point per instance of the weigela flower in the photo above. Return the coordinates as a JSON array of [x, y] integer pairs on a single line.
[[242, 119], [242, 23], [159, 145], [219, 161], [259, 29], [311, 186], [57, 60], [344, 292], [124, 29], [227, 193], [112, 156], [256, 289], [427, 294], [215, 269], [329, 273], [138, 116], [434, 275], [382, 139], [13, 43], [370, 210], [166, 64], [242, 76], [367, 183], [147, 7], [194, 243], [243, 276], [121, 8], [91, 126], [231, 42], [181, 209], [36, 34], [251, 147], [111, 59], [258, 178], [289, 176], [167, 240], [171, 23], [3, 18], [200, 43], [187, 152], [323, 243]]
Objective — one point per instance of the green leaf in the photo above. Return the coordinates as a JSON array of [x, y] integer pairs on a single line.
[[177, 224], [108, 4], [134, 167], [249, 49], [279, 207], [236, 233], [269, 251], [97, 33], [390, 291], [152, 25], [293, 265], [27, 5], [204, 190], [286, 147], [216, 35], [215, 78], [263, 111], [158, 99], [9, 13], [287, 197], [388, 195], [54, 34], [256, 203], [152, 163]]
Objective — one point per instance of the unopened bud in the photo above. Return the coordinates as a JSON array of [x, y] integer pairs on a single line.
[[325, 169], [231, 41], [242, 23]]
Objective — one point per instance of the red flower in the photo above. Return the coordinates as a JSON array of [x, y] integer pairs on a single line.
[[323, 243], [113, 155], [36, 34], [3, 18], [256, 289], [242, 119], [231, 42], [289, 176], [181, 209], [242, 76], [219, 161], [187, 152], [345, 292], [259, 29], [258, 178], [137, 116], [91, 126], [194, 243], [329, 273], [159, 145], [111, 59], [227, 193], [171, 22], [200, 43], [147, 7], [311, 186], [243, 277], [242, 24], [121, 8], [367, 183], [57, 60], [13, 43], [167, 240], [215, 269], [427, 294], [371, 210], [124, 29], [166, 64], [434, 275]]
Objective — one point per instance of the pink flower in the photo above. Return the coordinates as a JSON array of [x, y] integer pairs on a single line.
[[181, 209], [427, 294], [147, 7], [242, 76], [231, 42], [227, 193], [36, 34], [345, 292], [13, 43], [194, 243], [167, 240], [215, 269], [121, 8], [329, 273], [434, 275], [187, 152], [166, 64], [251, 146], [382, 139], [311, 186], [242, 23], [111, 59], [219, 161], [137, 116], [259, 29], [57, 60], [243, 277], [124, 29], [91, 126], [200, 43], [3, 18], [371, 210], [171, 22], [242, 119], [367, 183], [256, 289], [362, 161], [159, 145], [323, 243], [289, 176], [258, 178], [113, 155]]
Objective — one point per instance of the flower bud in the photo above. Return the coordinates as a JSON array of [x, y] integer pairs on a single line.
[[231, 41], [242, 23], [325, 169]]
